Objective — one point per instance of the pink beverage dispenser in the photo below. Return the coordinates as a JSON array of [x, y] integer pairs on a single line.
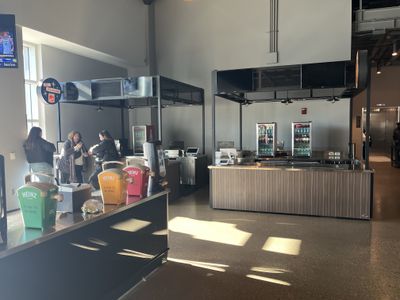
[[139, 175]]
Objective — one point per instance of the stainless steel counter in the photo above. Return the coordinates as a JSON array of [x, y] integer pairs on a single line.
[[300, 167]]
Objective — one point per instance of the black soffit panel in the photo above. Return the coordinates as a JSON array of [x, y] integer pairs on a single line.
[[307, 81]]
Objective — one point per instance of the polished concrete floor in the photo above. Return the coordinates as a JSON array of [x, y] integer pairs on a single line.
[[217, 254]]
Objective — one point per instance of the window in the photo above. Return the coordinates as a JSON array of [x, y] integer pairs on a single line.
[[30, 74]]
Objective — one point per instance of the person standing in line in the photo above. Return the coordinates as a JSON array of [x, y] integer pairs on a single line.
[[396, 144], [104, 151], [72, 158], [39, 152]]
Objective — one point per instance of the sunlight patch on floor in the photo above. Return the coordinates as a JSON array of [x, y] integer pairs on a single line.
[[200, 264], [131, 225], [218, 232], [267, 279], [282, 245]]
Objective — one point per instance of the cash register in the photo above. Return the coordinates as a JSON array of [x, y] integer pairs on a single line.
[[192, 151]]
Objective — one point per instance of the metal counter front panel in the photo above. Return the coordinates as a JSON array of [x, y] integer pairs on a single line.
[[318, 193]]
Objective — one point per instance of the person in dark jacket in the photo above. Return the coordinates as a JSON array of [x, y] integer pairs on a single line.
[[104, 151], [72, 159], [39, 152]]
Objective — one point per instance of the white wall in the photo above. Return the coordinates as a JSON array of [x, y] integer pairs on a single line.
[[117, 28], [66, 66], [195, 37], [13, 126]]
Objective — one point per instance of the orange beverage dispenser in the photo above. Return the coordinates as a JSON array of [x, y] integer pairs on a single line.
[[113, 183]]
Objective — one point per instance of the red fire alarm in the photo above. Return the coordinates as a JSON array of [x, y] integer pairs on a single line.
[[304, 111]]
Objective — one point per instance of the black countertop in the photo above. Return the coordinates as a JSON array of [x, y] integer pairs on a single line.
[[20, 238]]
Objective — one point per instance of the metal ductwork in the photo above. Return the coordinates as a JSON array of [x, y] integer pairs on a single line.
[[109, 89]]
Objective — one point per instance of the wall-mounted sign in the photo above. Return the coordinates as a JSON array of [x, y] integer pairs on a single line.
[[8, 42], [304, 111], [51, 90]]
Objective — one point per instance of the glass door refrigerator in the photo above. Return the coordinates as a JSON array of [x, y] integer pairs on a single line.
[[266, 139], [140, 135], [301, 139]]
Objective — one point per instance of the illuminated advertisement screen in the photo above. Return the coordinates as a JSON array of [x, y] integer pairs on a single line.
[[8, 42]]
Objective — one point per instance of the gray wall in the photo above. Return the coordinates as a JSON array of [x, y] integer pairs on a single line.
[[330, 122], [193, 38], [117, 28], [66, 66], [114, 28], [13, 126]]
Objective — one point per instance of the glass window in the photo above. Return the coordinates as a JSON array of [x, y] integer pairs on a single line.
[[30, 73]]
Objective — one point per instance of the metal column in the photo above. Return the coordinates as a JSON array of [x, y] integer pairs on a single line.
[[59, 122], [351, 148], [368, 118], [214, 91], [241, 126], [159, 110], [203, 117], [122, 120]]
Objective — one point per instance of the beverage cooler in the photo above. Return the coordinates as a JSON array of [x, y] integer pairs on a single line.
[[301, 139], [266, 139], [141, 135]]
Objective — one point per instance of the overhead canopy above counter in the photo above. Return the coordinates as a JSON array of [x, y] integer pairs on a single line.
[[306, 81], [133, 92], [329, 80]]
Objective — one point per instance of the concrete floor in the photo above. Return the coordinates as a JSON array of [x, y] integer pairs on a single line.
[[217, 254]]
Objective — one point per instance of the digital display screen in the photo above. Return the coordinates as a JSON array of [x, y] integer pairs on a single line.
[[8, 45]]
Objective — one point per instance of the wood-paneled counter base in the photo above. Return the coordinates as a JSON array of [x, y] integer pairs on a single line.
[[302, 191]]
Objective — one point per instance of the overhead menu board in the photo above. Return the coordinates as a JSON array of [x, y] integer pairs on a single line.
[[8, 42]]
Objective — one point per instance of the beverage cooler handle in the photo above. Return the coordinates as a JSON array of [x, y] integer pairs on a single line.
[[28, 178], [115, 162]]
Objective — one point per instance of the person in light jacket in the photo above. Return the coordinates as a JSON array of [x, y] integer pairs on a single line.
[[73, 157], [39, 152]]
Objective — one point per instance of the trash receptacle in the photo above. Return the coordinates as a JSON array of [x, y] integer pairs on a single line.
[[74, 196], [38, 202], [113, 183]]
